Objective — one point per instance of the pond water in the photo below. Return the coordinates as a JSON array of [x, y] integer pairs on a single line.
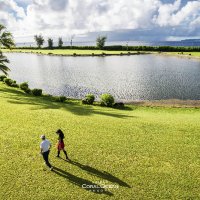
[[138, 77]]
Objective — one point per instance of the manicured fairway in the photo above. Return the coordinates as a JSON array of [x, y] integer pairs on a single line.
[[67, 51], [192, 54], [71, 52], [150, 153]]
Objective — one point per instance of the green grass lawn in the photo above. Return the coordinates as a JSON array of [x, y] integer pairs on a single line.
[[70, 52], [67, 51], [150, 153], [194, 54]]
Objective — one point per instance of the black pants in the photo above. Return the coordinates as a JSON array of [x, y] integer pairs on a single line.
[[46, 158], [64, 153]]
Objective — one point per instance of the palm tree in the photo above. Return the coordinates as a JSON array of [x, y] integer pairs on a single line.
[[3, 66], [6, 40]]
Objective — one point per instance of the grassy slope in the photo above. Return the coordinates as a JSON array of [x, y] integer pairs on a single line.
[[155, 151]]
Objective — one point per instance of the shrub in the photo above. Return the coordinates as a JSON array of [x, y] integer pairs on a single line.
[[8, 81], [2, 77], [27, 90], [24, 86], [119, 105], [14, 85], [55, 98], [107, 100], [37, 92], [60, 99], [89, 99], [47, 95], [84, 101]]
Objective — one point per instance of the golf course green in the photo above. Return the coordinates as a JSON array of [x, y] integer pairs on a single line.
[[72, 52], [67, 52], [141, 152]]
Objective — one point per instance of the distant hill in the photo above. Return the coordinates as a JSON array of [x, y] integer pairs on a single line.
[[191, 40]]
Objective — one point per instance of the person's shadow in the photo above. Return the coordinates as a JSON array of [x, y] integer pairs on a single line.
[[102, 174], [83, 183]]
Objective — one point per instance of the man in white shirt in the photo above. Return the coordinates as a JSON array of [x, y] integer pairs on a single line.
[[45, 149]]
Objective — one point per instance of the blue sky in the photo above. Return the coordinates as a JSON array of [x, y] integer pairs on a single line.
[[125, 20]]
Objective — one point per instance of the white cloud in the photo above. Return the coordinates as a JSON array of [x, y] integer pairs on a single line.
[[196, 22], [65, 17], [172, 15], [12, 5], [165, 11]]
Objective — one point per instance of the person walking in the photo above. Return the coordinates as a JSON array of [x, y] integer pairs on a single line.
[[61, 145], [45, 150]]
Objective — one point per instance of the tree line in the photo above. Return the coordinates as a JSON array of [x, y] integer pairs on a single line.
[[39, 39], [100, 44]]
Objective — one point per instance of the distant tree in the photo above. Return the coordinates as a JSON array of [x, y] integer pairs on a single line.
[[71, 39], [50, 43], [60, 42], [100, 42], [6, 40], [39, 40]]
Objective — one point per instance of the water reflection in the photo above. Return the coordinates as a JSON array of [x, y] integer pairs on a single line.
[[138, 77]]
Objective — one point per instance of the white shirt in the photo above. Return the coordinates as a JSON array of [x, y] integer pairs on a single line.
[[45, 145]]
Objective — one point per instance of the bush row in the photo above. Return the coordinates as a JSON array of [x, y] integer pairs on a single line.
[[127, 48], [106, 99], [23, 86], [8, 81]]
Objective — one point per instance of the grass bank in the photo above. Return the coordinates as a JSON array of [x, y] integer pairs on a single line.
[[73, 52], [149, 153], [186, 54], [69, 52]]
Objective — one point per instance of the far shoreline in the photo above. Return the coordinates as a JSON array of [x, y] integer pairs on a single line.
[[99, 53], [167, 103]]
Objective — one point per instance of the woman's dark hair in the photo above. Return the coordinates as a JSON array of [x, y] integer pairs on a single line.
[[59, 131], [61, 134]]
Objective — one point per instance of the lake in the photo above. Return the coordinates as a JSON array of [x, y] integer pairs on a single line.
[[137, 77]]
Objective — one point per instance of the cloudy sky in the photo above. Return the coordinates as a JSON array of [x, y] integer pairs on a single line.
[[118, 19]]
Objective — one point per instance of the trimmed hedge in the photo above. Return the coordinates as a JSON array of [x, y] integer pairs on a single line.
[[107, 100], [14, 85], [119, 105], [2, 77], [89, 99], [61, 99], [36, 92], [8, 81], [24, 86], [27, 91]]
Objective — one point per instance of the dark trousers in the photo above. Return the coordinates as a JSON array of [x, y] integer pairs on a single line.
[[46, 158], [64, 153]]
